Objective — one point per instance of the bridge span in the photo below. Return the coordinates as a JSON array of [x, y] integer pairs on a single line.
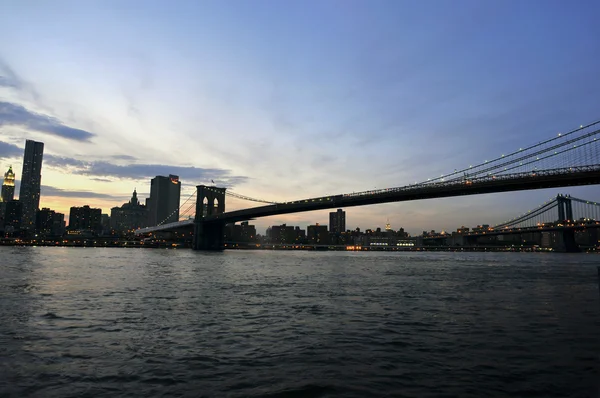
[[569, 159]]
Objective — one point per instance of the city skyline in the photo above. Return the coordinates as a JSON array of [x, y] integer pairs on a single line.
[[365, 106]]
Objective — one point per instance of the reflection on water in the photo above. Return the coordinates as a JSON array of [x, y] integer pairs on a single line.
[[138, 322]]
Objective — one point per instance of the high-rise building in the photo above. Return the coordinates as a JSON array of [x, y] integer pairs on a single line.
[[12, 217], [317, 234], [44, 221], [337, 221], [163, 204], [85, 218], [8, 186], [31, 179]]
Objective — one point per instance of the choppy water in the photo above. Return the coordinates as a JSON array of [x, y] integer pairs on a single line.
[[140, 322]]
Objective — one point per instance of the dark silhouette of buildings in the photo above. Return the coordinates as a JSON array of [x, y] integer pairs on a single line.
[[286, 234], [244, 232], [12, 216], [49, 223], [31, 178], [163, 203], [85, 218], [337, 222], [130, 216], [317, 234]]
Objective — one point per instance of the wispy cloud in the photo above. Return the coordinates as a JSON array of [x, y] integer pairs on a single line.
[[48, 190], [102, 169], [10, 79], [9, 150], [17, 115]]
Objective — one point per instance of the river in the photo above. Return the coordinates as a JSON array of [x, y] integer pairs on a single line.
[[94, 322]]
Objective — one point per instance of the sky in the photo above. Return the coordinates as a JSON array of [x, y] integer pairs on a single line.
[[284, 100]]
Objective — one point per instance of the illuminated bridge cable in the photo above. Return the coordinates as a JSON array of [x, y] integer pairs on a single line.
[[176, 210], [473, 169], [541, 208], [243, 197]]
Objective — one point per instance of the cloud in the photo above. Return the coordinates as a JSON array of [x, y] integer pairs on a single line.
[[124, 157], [14, 114], [102, 169], [9, 150], [10, 79], [47, 190]]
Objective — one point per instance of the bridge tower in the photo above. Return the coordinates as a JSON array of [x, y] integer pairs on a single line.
[[210, 201], [566, 237]]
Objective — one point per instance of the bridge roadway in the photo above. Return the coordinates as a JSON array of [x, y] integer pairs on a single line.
[[524, 230], [553, 178]]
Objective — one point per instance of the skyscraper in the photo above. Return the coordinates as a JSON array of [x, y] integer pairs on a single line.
[[31, 179], [337, 221], [163, 204], [8, 187]]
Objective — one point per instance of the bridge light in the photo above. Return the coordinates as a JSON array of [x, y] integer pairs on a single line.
[[559, 134]]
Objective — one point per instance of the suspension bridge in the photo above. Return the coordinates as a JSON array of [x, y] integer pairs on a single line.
[[562, 215], [567, 159]]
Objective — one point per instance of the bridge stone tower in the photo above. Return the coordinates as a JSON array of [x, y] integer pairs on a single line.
[[566, 237], [209, 234]]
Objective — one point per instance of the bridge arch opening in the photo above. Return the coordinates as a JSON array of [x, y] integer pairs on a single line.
[[204, 207]]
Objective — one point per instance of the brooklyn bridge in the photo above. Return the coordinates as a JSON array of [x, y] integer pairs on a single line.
[[567, 159]]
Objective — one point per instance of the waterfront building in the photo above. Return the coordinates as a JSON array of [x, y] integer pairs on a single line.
[[12, 216], [286, 234], [85, 218], [130, 216], [163, 204], [337, 222], [44, 221], [317, 234], [31, 179], [243, 232]]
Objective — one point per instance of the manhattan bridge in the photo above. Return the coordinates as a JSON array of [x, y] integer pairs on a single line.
[[567, 159]]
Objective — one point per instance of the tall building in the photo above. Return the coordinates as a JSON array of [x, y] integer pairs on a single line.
[[8, 186], [337, 221], [12, 217], [317, 234], [85, 218], [31, 179], [163, 204]]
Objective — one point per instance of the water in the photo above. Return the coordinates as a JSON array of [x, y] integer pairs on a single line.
[[142, 322]]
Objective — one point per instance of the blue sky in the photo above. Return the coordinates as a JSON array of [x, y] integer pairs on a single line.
[[285, 100]]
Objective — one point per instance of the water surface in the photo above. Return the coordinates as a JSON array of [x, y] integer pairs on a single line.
[[92, 322]]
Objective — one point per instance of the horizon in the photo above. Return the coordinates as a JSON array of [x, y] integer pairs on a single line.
[[284, 101]]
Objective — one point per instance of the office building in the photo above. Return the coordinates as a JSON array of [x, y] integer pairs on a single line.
[[317, 234], [49, 223], [337, 222], [243, 233], [130, 216], [286, 234], [12, 216], [8, 186], [163, 204], [31, 179], [85, 218]]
